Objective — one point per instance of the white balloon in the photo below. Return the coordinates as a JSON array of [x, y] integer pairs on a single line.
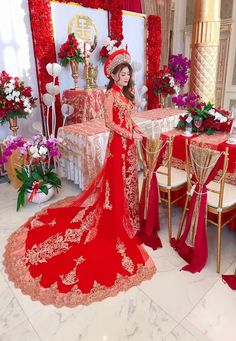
[[48, 99], [53, 69], [52, 89], [144, 89], [67, 110]]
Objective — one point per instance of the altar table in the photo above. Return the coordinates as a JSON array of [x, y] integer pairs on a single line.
[[87, 104], [84, 145]]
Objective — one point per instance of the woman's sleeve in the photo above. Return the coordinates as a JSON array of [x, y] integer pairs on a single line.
[[108, 106]]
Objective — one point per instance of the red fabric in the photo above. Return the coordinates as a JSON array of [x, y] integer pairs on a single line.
[[154, 40], [150, 226], [230, 280], [85, 246], [232, 155], [131, 5], [196, 256]]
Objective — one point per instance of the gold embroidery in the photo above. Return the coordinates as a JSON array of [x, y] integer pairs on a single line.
[[36, 223], [71, 278], [51, 247], [52, 223], [79, 216], [127, 263], [107, 205]]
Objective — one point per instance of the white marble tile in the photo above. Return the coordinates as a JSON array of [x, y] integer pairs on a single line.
[[4, 234], [186, 332], [128, 316], [11, 313], [215, 314], [21, 332], [177, 292]]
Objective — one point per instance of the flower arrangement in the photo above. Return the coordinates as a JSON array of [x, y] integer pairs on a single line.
[[71, 50], [16, 99], [108, 48], [154, 42], [204, 116], [165, 83], [36, 171], [179, 67]]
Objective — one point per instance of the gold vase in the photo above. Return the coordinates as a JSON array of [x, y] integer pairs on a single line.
[[13, 125], [75, 73], [161, 101]]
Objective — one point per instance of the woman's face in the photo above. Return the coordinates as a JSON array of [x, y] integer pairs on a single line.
[[121, 78]]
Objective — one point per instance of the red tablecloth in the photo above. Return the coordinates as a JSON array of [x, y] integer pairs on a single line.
[[216, 141], [87, 103]]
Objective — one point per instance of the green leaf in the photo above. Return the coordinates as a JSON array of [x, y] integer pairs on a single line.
[[36, 176], [20, 200], [44, 189]]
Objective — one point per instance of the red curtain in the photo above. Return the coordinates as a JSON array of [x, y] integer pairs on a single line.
[[131, 5]]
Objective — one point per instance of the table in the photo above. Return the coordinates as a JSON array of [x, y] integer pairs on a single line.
[[87, 104], [216, 141], [84, 144]]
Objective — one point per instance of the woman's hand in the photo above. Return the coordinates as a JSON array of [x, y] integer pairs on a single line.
[[137, 136]]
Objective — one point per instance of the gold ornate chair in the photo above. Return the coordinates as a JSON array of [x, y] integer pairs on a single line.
[[220, 195], [170, 181]]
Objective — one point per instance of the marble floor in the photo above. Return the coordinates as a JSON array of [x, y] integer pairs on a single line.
[[173, 305]]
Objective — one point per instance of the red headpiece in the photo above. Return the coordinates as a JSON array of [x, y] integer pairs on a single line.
[[116, 58]]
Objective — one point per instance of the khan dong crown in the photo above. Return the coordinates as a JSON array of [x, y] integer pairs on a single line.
[[116, 58]]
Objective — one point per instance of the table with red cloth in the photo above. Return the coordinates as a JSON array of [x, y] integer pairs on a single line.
[[84, 144], [217, 141], [87, 104]]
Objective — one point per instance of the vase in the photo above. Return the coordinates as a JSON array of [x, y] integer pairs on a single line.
[[75, 73], [13, 125], [161, 101], [41, 197]]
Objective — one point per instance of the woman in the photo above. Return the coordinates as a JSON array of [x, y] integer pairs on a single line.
[[83, 249]]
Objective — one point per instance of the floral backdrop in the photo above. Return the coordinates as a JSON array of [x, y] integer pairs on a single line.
[[44, 48]]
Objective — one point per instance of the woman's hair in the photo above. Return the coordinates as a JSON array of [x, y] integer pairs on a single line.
[[126, 89]]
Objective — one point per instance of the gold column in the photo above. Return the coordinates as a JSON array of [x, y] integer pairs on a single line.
[[205, 42]]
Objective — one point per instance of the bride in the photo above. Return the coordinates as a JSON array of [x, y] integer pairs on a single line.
[[83, 249]]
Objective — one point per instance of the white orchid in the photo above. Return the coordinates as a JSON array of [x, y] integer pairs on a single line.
[[33, 149], [43, 150]]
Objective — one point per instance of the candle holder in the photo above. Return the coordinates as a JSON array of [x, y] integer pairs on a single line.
[[75, 73]]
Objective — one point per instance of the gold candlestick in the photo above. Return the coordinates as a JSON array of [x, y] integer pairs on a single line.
[[75, 72]]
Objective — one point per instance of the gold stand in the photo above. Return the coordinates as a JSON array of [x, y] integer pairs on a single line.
[[75, 73], [14, 162], [205, 43]]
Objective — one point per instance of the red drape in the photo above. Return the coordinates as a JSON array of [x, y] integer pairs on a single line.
[[196, 255], [230, 280], [149, 224]]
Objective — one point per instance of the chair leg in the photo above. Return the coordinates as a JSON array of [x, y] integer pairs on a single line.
[[219, 243], [182, 219], [169, 216]]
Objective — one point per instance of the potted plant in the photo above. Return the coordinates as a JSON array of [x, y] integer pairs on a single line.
[[38, 156], [16, 100]]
